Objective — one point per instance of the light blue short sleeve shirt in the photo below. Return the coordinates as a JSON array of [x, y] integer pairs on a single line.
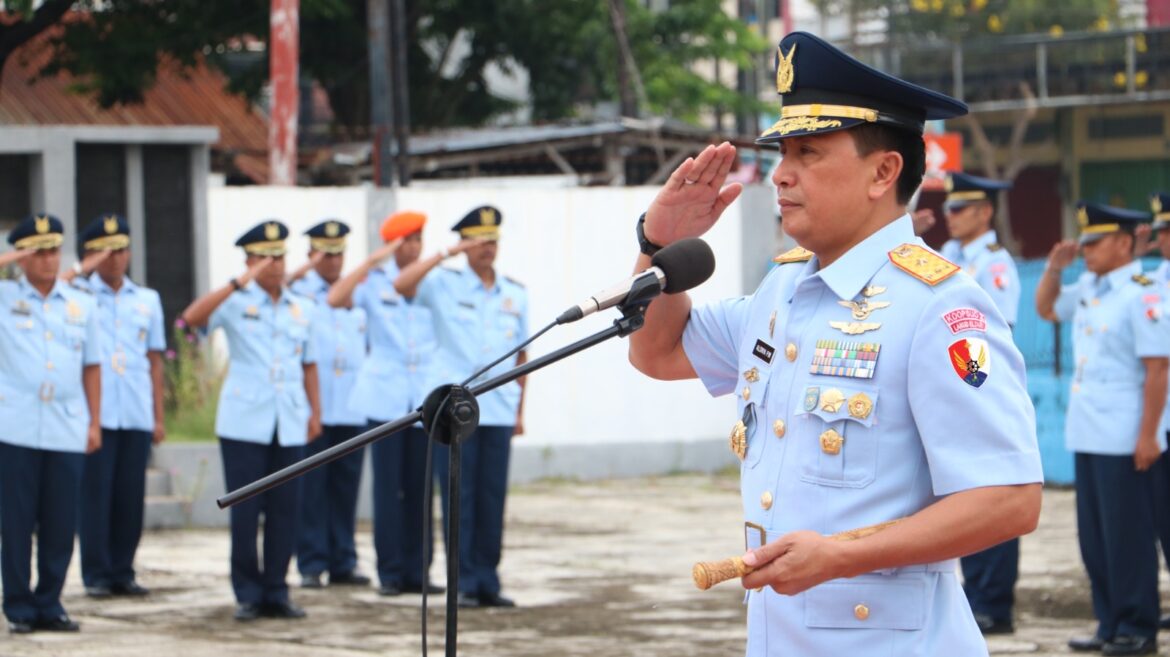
[[45, 342], [268, 343], [339, 336], [475, 325], [993, 269], [863, 395]]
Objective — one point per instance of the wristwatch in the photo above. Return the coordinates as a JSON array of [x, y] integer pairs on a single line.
[[645, 245], [77, 268]]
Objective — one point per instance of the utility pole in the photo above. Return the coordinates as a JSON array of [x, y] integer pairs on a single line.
[[283, 72], [400, 81], [381, 106]]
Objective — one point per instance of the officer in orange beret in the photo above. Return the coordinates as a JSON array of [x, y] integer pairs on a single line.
[[392, 382]]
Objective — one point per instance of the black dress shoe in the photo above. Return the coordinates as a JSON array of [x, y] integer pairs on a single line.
[[417, 588], [468, 601], [129, 589], [1164, 622], [389, 589], [352, 578], [1089, 644], [61, 623], [20, 627], [99, 591], [312, 581], [284, 609], [246, 612], [495, 600], [988, 625], [1130, 645]]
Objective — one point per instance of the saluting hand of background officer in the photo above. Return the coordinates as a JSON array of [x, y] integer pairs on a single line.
[[13, 257], [693, 197], [1062, 254]]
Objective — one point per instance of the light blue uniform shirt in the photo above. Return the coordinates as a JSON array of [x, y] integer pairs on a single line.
[[1161, 277], [397, 375], [849, 430], [993, 269], [44, 344], [269, 343], [339, 336], [131, 323], [1117, 321], [474, 326]]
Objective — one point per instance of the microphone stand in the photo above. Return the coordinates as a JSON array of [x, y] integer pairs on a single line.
[[450, 414]]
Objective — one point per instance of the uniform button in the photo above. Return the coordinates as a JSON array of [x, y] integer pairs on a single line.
[[766, 500], [790, 352], [46, 307], [861, 612], [778, 428], [49, 365], [747, 393]]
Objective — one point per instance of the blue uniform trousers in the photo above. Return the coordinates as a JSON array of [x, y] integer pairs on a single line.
[[989, 579], [481, 506], [329, 497], [243, 463], [113, 494], [1116, 528], [398, 463], [38, 493]]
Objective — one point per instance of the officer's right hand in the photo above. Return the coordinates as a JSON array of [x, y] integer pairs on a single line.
[[93, 439], [254, 271], [385, 251], [1142, 242], [1062, 254], [464, 246], [693, 198]]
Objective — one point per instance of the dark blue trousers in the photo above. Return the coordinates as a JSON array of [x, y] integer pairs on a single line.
[[38, 493], [989, 579], [1116, 528], [243, 463], [329, 497], [113, 494], [481, 505], [398, 463], [1162, 503]]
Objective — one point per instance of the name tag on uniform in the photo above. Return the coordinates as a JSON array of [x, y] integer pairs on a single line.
[[21, 308], [763, 351], [467, 304]]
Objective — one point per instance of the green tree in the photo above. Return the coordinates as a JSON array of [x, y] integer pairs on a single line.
[[567, 47]]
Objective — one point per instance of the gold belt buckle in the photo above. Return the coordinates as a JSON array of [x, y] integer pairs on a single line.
[[748, 528]]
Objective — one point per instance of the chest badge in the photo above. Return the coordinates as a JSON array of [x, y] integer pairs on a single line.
[[251, 312], [831, 442], [971, 359], [831, 400], [737, 441], [860, 406], [811, 395], [862, 309], [73, 313], [22, 308], [752, 375], [855, 328]]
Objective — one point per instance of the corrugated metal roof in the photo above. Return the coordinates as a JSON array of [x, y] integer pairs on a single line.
[[194, 97]]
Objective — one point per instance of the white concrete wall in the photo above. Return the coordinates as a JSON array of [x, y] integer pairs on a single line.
[[563, 244]]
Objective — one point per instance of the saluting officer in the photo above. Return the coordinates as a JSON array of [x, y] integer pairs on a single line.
[[479, 316], [50, 407], [329, 494], [114, 484], [393, 381], [1121, 343], [875, 381], [989, 577], [268, 410]]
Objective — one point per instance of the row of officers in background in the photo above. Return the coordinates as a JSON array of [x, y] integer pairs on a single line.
[[315, 358], [1117, 412]]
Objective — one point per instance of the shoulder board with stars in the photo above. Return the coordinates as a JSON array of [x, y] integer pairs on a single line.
[[923, 264], [513, 281], [1142, 279], [798, 254], [994, 246]]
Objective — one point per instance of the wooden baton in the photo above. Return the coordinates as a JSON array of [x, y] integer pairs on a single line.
[[709, 573]]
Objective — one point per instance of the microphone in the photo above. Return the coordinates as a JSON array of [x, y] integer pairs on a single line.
[[676, 268]]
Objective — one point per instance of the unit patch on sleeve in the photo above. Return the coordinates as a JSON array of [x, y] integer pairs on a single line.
[[971, 358], [965, 319]]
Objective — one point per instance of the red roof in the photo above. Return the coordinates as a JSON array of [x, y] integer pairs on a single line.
[[179, 98]]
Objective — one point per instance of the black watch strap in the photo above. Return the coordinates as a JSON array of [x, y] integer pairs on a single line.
[[645, 245]]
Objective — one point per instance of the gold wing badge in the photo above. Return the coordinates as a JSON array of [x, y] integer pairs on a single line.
[[855, 328]]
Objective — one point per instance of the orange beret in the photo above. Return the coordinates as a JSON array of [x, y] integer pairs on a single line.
[[401, 224]]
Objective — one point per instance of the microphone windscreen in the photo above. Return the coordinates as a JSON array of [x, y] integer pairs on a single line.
[[686, 263]]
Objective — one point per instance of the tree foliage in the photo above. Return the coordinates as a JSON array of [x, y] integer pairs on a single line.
[[566, 46]]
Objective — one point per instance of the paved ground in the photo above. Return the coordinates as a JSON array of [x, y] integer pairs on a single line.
[[599, 569]]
